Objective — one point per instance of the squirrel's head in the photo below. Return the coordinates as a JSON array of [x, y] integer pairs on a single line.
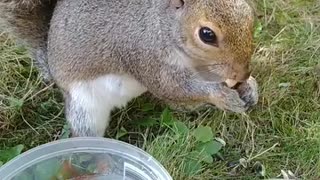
[[216, 36]]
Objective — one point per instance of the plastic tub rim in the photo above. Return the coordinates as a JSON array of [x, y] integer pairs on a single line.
[[79, 144]]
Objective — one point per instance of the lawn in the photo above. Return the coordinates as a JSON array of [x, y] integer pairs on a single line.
[[280, 134]]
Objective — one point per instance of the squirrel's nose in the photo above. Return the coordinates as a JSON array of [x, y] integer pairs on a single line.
[[241, 75], [244, 76]]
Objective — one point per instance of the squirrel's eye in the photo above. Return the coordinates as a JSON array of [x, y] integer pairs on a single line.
[[208, 36]]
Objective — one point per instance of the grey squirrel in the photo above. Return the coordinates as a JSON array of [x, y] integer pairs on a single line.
[[103, 53]]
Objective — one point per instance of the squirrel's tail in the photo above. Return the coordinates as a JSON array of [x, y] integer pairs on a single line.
[[28, 21]]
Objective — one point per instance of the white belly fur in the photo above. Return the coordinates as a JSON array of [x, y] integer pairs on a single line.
[[100, 96], [110, 90]]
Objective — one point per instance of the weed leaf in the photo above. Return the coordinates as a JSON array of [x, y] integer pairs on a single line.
[[180, 127], [166, 117], [203, 134], [201, 156], [7, 155], [211, 147]]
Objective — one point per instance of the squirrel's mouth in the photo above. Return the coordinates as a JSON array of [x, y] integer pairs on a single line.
[[222, 73], [210, 76], [212, 72], [214, 77]]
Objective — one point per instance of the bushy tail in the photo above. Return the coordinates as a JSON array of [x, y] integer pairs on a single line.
[[28, 21]]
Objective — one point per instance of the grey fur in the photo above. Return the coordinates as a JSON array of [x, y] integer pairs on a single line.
[[91, 38], [28, 20]]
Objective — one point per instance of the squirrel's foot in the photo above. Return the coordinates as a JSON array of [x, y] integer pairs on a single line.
[[248, 92], [236, 100], [228, 99]]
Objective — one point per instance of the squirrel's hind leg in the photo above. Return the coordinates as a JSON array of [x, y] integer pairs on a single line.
[[89, 103], [86, 113]]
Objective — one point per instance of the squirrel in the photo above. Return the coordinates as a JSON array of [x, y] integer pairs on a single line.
[[104, 53]]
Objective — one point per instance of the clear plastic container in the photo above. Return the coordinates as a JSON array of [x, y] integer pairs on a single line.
[[84, 159]]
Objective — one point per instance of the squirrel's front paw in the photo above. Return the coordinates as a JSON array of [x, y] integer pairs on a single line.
[[228, 99], [248, 92]]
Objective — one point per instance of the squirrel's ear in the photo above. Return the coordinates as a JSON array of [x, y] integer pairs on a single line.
[[177, 3]]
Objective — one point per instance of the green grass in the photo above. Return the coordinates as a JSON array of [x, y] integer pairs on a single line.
[[282, 131]]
